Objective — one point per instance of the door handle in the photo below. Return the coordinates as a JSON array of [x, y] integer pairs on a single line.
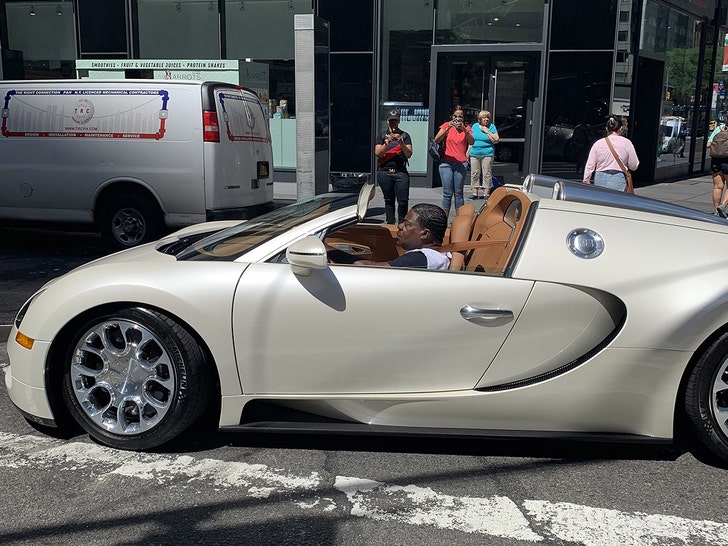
[[485, 317]]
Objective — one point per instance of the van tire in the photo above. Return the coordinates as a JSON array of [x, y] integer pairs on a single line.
[[127, 220]]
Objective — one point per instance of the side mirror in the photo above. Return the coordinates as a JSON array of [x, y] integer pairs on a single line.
[[307, 254]]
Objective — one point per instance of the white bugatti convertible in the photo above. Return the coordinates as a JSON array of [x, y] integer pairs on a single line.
[[567, 310]]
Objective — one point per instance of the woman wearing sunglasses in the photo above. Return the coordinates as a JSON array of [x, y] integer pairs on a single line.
[[453, 167]]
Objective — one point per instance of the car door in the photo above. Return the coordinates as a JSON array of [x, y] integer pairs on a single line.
[[349, 329]]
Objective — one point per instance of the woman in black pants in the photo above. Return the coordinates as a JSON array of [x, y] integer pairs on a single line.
[[393, 152]]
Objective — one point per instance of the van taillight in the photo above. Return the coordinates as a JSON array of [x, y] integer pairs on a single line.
[[211, 130]]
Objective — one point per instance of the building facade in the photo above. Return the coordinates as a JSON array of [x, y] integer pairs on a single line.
[[550, 71]]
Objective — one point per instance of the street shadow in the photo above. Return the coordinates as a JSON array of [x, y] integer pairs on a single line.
[[541, 448], [36, 239]]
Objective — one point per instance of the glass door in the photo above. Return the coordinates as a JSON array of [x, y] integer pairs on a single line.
[[501, 82]]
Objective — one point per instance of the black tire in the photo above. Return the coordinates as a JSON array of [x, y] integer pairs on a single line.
[[706, 399], [127, 220], [135, 379]]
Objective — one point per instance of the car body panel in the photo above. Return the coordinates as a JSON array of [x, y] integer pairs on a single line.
[[198, 293], [26, 385], [624, 391], [340, 331], [664, 269], [559, 325]]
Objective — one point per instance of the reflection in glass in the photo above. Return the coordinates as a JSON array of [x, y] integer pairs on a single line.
[[42, 46], [406, 41], [577, 107], [675, 38], [186, 29], [489, 21]]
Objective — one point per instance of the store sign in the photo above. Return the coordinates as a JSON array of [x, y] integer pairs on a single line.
[[251, 75]]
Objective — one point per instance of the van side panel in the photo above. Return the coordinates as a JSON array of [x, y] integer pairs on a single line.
[[72, 149], [239, 168], [63, 142]]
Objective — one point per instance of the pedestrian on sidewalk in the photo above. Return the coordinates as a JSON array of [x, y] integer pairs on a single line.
[[482, 153], [718, 147], [393, 152], [453, 167], [605, 164]]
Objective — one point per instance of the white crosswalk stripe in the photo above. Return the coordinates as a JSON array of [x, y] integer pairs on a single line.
[[496, 516]]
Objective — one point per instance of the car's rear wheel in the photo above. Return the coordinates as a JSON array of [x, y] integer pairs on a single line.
[[706, 398], [135, 379]]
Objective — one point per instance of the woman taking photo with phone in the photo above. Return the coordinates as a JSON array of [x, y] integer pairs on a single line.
[[453, 167]]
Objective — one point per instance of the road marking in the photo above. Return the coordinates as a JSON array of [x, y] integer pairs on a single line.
[[496, 516], [602, 527], [261, 480]]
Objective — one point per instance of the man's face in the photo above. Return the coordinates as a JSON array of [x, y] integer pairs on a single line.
[[410, 234], [393, 123]]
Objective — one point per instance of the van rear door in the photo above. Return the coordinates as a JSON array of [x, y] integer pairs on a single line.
[[238, 154]]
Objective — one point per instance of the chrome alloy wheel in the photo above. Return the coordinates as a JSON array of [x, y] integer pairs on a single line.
[[123, 377], [719, 397]]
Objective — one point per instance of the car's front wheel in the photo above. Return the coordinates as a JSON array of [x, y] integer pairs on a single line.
[[706, 398], [135, 379]]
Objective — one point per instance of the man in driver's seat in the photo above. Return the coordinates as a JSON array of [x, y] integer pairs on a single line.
[[420, 234]]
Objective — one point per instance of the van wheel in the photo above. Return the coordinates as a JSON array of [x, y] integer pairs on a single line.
[[129, 220]]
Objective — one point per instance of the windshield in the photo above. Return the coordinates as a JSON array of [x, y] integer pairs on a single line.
[[229, 244]]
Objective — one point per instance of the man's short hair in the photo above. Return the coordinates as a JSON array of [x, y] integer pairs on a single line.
[[432, 218]]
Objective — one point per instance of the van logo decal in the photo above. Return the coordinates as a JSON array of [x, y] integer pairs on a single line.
[[83, 112], [69, 112], [249, 116], [239, 117]]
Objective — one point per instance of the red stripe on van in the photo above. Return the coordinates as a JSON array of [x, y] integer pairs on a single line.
[[211, 129]]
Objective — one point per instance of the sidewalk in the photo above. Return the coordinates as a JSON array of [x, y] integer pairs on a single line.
[[694, 193]]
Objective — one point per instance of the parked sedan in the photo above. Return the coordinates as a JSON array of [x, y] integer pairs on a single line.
[[577, 312]]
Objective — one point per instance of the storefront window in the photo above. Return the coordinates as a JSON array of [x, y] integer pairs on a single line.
[[406, 40], [490, 21], [673, 38], [183, 29], [41, 40], [576, 24], [263, 31], [577, 107]]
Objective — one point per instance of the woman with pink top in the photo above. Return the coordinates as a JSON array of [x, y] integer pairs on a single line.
[[454, 165], [607, 171]]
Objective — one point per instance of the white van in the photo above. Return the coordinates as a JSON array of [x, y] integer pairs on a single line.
[[670, 129], [132, 156]]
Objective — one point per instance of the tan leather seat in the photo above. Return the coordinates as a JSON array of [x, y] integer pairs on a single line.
[[468, 209], [463, 230], [459, 232], [501, 223]]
